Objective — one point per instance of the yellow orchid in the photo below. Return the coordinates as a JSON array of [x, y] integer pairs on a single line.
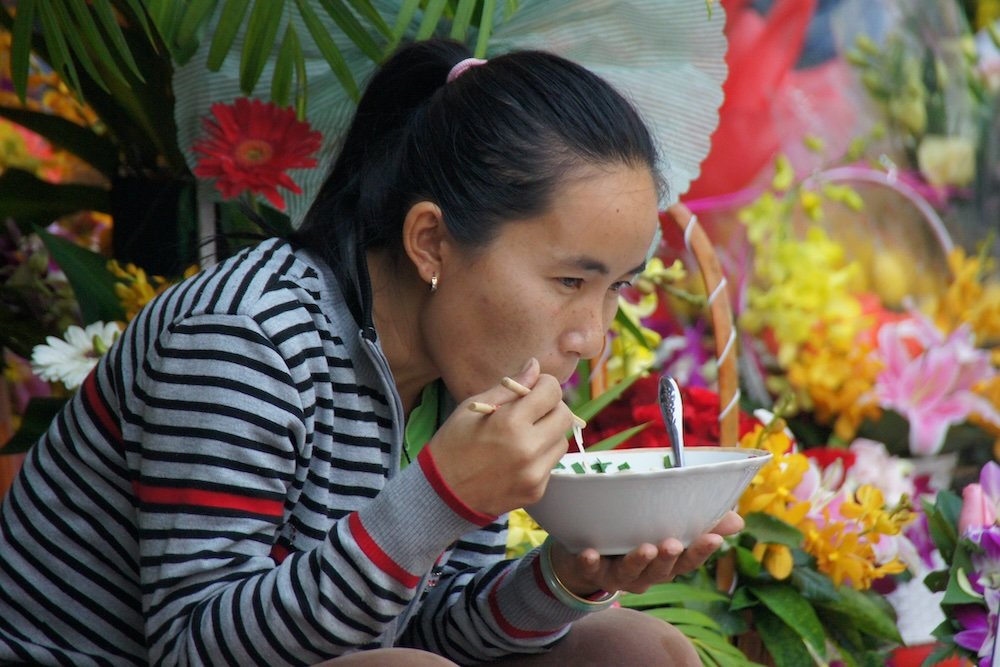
[[776, 559], [523, 534]]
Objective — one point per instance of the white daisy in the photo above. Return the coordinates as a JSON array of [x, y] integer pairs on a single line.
[[70, 360]]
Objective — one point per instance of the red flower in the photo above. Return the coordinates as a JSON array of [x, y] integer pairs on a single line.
[[825, 456], [639, 404], [249, 146]]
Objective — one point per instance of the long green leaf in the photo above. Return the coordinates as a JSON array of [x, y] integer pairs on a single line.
[[485, 27], [352, 28], [230, 22], [661, 595], [618, 438], [769, 528], [88, 275], [329, 49], [20, 47], [139, 14], [680, 615], [595, 405], [72, 33], [783, 643], [406, 13], [92, 37], [189, 28], [80, 141], [787, 604], [366, 9], [262, 30], [106, 15], [38, 415], [56, 44], [432, 16], [27, 199], [463, 19], [284, 67], [630, 327]]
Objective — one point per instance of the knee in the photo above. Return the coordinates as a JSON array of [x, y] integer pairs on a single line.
[[635, 638]]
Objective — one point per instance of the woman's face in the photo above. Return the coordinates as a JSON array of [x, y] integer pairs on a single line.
[[545, 287]]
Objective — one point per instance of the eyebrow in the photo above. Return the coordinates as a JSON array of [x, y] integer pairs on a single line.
[[590, 264]]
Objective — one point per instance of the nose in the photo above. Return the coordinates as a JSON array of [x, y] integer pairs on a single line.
[[584, 338]]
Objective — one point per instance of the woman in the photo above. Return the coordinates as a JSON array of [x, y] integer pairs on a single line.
[[233, 485]]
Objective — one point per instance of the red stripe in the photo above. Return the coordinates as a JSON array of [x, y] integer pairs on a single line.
[[437, 483], [279, 552], [505, 625], [159, 495], [536, 569], [100, 408], [374, 553]]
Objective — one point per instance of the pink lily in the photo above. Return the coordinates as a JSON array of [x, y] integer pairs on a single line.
[[931, 388]]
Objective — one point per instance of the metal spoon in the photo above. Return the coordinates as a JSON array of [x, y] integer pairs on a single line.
[[670, 406]]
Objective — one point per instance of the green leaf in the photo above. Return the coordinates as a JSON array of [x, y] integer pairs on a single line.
[[20, 47], [71, 31], [937, 581], [613, 441], [262, 30], [92, 38], [769, 528], [785, 645], [485, 27], [742, 600], [432, 16], [788, 604], [82, 142], [463, 18], [942, 521], [366, 9], [56, 44], [27, 199], [588, 410], [866, 614], [679, 615], [746, 564], [35, 421], [106, 15], [88, 275], [958, 591], [814, 585], [189, 28], [406, 13], [329, 49], [284, 67], [630, 327], [661, 595], [230, 22], [352, 28]]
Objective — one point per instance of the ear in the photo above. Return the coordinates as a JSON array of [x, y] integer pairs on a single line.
[[424, 233]]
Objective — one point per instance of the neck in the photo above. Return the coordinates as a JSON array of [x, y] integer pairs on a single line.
[[397, 299]]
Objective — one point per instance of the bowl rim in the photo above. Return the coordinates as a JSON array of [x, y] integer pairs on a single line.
[[758, 456]]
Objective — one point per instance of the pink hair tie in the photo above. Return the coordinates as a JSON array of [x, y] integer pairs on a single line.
[[463, 65]]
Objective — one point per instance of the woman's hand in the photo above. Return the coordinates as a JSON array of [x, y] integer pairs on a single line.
[[501, 461], [647, 564]]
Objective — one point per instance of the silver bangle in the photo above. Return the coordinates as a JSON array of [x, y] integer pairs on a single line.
[[563, 594]]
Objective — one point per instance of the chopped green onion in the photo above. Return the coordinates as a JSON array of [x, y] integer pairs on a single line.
[[579, 469], [600, 466], [667, 462], [624, 466], [559, 466]]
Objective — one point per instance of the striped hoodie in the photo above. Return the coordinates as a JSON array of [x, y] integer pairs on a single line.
[[225, 489]]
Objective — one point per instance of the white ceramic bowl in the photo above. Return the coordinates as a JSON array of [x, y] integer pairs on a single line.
[[614, 512]]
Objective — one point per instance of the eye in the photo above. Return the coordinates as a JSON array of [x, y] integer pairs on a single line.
[[571, 283], [620, 285]]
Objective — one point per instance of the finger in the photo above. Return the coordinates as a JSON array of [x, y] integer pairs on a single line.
[[730, 524], [500, 395], [698, 552]]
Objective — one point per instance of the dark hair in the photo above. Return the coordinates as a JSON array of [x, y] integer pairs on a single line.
[[489, 147]]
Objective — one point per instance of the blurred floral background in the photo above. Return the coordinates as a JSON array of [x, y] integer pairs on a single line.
[[851, 193]]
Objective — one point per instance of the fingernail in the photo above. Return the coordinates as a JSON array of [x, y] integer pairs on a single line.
[[526, 366]]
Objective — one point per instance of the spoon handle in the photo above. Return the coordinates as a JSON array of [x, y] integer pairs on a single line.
[[670, 406]]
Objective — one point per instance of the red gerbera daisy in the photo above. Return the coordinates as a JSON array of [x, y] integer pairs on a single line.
[[249, 146]]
